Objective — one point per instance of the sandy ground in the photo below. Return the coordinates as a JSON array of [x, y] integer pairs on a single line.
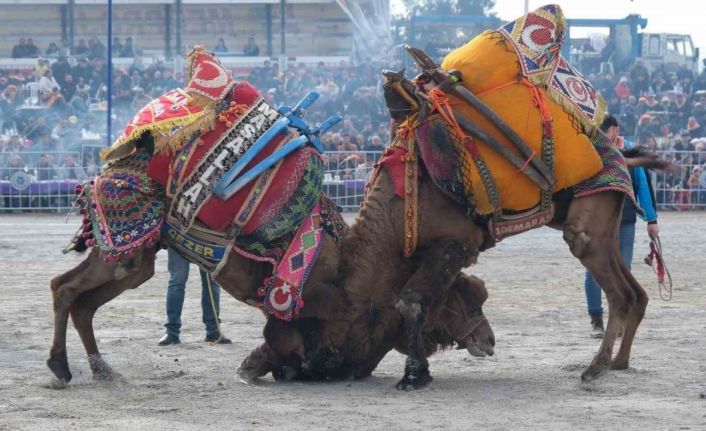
[[536, 307]]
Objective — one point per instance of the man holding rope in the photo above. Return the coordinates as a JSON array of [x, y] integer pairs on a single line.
[[646, 199]]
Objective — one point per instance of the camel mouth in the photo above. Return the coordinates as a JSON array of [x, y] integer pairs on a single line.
[[479, 350], [481, 342]]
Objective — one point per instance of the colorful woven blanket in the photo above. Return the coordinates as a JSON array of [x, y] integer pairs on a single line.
[[281, 294], [123, 208], [537, 38], [613, 177]]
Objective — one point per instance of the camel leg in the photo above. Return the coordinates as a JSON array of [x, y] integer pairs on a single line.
[[441, 265], [591, 231], [86, 305], [637, 312], [89, 274], [621, 300]]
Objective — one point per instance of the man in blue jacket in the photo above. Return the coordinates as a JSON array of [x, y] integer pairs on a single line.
[[646, 199]]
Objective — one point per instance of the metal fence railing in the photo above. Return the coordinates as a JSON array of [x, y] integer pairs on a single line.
[[45, 181], [346, 174], [682, 188]]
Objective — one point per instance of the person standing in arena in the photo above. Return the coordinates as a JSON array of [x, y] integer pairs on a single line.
[[178, 275], [646, 199]]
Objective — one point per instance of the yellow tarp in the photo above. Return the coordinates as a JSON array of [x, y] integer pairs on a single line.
[[488, 62]]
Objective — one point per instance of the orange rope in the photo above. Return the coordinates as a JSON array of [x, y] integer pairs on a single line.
[[540, 102], [443, 106], [499, 87]]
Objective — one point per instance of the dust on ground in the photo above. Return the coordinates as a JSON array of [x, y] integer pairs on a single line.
[[536, 307]]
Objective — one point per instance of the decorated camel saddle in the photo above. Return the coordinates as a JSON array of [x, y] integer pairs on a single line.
[[501, 125], [213, 169]]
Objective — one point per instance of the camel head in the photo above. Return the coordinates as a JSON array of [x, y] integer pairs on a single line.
[[463, 318], [399, 95]]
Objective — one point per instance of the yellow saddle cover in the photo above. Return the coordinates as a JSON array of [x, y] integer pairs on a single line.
[[501, 67]]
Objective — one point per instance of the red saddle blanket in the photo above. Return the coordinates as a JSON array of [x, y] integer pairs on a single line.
[[190, 174]]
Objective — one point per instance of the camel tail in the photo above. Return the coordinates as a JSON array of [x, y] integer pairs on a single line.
[[77, 244], [642, 157]]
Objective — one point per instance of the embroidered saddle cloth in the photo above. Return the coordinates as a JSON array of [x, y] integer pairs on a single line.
[[199, 133], [514, 70]]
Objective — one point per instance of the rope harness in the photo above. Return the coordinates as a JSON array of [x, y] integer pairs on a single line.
[[215, 312], [655, 260], [467, 151]]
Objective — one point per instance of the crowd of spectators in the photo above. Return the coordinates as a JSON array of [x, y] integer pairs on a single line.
[[664, 110], [59, 107]]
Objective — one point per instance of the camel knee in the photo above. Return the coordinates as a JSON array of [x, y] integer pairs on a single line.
[[641, 299], [55, 284], [82, 316], [630, 300], [61, 297], [578, 241], [621, 307]]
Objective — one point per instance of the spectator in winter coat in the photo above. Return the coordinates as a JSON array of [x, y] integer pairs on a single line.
[[622, 88]]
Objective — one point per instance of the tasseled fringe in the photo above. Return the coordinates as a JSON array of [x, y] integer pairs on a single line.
[[125, 146], [173, 143], [200, 100]]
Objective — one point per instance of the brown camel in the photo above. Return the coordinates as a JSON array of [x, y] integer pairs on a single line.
[[94, 282], [448, 240]]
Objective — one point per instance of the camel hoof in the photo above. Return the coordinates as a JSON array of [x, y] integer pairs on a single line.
[[592, 373], [413, 381], [249, 374], [252, 368], [101, 370], [60, 367], [619, 365], [57, 384]]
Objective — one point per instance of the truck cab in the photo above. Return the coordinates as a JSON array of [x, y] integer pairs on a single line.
[[625, 44], [668, 49]]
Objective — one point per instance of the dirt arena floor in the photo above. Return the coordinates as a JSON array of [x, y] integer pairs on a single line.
[[536, 307]]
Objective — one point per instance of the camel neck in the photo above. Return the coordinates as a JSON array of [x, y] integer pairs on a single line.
[[374, 242]]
